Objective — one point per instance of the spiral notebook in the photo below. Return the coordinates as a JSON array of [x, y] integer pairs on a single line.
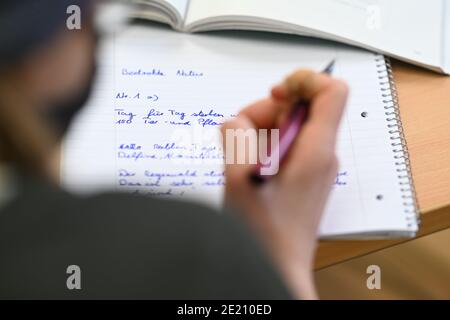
[[151, 126]]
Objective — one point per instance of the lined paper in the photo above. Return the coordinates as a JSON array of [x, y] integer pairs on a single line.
[[151, 126]]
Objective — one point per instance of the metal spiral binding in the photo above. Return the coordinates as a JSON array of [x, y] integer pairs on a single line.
[[398, 141]]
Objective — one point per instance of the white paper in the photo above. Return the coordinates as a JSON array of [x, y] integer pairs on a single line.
[[410, 29], [158, 88], [180, 5]]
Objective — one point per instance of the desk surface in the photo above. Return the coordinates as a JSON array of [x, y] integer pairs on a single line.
[[424, 99]]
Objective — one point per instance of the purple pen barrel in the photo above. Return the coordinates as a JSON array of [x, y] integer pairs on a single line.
[[288, 134]]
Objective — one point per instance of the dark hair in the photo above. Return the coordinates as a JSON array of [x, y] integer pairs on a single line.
[[25, 26], [24, 143]]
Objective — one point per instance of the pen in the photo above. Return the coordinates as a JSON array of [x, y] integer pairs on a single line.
[[288, 133]]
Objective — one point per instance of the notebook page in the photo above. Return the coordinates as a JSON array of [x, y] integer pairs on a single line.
[[172, 12], [179, 5], [151, 126], [374, 23]]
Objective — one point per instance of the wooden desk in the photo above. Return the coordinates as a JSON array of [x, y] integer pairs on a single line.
[[425, 111]]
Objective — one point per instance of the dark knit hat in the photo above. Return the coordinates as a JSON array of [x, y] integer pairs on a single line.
[[26, 24]]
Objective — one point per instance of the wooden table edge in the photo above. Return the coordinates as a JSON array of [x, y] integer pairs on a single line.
[[332, 252]]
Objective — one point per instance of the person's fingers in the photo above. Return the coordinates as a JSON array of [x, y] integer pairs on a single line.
[[279, 92], [263, 113], [316, 142], [326, 111], [315, 146], [301, 84], [240, 194], [266, 113], [239, 137], [326, 96]]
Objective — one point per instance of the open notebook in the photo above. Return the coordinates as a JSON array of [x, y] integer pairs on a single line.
[[151, 126], [415, 31]]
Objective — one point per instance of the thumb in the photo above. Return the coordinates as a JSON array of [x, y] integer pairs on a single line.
[[239, 137]]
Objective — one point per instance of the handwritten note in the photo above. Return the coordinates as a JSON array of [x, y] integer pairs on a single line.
[[151, 126]]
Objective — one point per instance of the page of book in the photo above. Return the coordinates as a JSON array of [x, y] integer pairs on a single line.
[[171, 12], [409, 29], [179, 5], [151, 126]]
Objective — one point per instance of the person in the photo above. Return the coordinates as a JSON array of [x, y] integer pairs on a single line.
[[124, 246]]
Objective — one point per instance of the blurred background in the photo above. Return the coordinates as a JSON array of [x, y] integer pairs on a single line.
[[418, 269]]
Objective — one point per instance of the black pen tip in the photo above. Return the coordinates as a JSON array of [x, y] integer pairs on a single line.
[[256, 179], [329, 68]]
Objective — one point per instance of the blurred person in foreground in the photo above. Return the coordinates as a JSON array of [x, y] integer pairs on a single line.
[[127, 246]]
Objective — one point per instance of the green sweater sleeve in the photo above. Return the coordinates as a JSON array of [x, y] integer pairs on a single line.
[[129, 247]]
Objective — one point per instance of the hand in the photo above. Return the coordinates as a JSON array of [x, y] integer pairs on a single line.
[[285, 212]]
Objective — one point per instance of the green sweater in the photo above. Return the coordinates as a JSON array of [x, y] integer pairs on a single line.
[[127, 247]]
